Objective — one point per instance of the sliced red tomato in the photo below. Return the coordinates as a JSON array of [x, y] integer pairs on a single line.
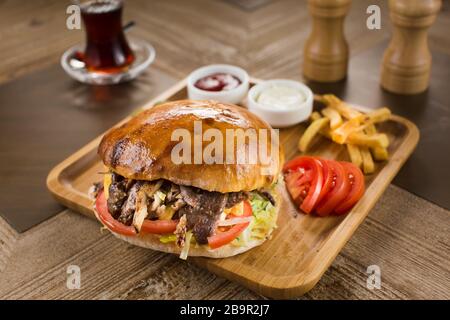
[[304, 180], [222, 238], [297, 191], [159, 226], [107, 219], [328, 178], [339, 190], [356, 179]]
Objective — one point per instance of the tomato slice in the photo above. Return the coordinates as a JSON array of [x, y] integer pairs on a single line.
[[107, 219], [339, 190], [159, 226], [149, 226], [304, 180], [222, 238], [356, 178], [328, 178], [297, 191]]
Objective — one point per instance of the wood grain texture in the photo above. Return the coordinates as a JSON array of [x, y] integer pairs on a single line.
[[268, 42], [403, 234], [303, 246], [8, 237], [411, 251], [110, 269]]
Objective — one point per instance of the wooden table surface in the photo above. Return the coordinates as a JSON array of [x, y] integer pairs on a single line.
[[406, 236]]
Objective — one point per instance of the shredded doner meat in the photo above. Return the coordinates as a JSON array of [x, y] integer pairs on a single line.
[[180, 231]]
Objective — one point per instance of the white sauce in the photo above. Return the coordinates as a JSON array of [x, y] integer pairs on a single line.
[[281, 97]]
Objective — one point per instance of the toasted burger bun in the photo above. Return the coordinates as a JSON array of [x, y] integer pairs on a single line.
[[141, 148], [151, 241]]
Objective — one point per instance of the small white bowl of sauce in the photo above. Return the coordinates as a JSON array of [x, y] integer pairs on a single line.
[[221, 82], [282, 103]]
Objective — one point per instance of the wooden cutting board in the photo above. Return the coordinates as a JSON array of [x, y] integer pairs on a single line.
[[302, 247]]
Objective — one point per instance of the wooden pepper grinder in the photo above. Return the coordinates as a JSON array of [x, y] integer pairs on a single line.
[[407, 60], [326, 50]]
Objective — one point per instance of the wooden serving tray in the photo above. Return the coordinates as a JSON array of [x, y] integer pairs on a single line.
[[302, 247]]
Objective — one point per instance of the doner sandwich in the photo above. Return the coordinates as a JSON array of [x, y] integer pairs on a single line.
[[180, 178]]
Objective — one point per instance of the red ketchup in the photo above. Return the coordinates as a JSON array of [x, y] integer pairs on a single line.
[[218, 82]]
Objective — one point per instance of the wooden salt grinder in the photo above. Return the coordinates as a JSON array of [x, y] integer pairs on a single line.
[[407, 60], [326, 50]]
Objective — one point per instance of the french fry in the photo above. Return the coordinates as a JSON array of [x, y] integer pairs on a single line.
[[379, 153], [373, 141], [319, 98], [314, 128], [373, 117], [325, 131], [371, 129], [314, 116], [334, 102], [340, 134], [344, 125], [334, 116], [359, 123], [368, 165], [379, 115], [355, 155]]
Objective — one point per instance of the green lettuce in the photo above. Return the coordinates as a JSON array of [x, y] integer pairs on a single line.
[[264, 220], [265, 217]]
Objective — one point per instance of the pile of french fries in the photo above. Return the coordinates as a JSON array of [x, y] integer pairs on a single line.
[[352, 128]]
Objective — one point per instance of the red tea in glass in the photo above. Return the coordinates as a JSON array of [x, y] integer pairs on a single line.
[[107, 49]]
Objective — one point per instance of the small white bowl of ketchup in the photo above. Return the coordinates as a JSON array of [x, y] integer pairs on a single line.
[[220, 82], [282, 103]]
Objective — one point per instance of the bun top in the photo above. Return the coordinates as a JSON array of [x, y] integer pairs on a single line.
[[172, 141]]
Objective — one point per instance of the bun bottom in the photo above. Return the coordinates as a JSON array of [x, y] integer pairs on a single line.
[[151, 241]]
